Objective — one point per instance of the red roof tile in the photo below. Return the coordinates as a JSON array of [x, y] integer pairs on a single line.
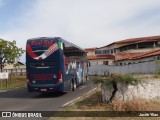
[[148, 54], [133, 56], [142, 39], [125, 55], [88, 49]]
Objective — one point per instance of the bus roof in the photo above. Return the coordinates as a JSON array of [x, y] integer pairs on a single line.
[[64, 41]]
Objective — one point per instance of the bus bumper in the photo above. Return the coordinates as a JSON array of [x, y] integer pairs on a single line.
[[45, 88]]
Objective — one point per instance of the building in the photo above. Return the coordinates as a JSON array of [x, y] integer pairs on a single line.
[[124, 50], [90, 51], [133, 45], [19, 68], [98, 59], [101, 59]]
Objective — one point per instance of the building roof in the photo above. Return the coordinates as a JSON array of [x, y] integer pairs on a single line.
[[147, 54], [12, 66], [136, 40], [126, 55], [133, 56], [139, 40], [88, 49], [101, 57]]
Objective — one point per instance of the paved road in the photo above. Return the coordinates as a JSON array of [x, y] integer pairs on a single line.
[[21, 100]]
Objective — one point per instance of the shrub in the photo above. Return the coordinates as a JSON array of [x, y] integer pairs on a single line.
[[127, 79]]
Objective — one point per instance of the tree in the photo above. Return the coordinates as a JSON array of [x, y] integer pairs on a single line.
[[9, 52]]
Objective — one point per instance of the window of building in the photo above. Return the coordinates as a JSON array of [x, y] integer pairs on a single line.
[[114, 50], [123, 49], [111, 51], [105, 62], [128, 47], [157, 44], [146, 45], [100, 52]]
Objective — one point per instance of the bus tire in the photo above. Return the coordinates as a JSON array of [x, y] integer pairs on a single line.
[[74, 85]]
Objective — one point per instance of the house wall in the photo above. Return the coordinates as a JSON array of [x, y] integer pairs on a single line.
[[11, 69], [91, 53], [100, 62], [11, 66]]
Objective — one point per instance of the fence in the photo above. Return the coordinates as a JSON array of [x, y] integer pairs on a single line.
[[19, 71], [145, 67], [16, 78]]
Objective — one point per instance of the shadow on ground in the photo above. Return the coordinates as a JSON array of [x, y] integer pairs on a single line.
[[23, 93]]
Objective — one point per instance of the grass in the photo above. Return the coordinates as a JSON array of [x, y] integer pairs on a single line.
[[14, 81], [92, 102], [146, 76], [137, 104]]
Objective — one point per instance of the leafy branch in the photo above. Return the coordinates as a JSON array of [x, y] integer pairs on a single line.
[[9, 52]]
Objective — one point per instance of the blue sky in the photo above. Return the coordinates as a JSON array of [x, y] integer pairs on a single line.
[[11, 12], [87, 23]]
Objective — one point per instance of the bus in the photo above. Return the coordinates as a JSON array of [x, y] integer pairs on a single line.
[[54, 65]]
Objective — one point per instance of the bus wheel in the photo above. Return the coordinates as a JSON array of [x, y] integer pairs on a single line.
[[73, 85]]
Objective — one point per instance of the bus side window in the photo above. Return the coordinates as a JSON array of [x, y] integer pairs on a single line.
[[63, 46]]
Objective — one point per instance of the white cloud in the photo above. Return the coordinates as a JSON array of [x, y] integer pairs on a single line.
[[88, 23]]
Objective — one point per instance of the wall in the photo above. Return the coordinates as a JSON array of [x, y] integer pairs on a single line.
[[146, 67], [91, 53], [147, 89], [97, 62]]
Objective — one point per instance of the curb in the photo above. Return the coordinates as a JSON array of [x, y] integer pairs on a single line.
[[78, 98]]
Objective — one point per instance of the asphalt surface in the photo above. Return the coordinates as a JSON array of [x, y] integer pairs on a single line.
[[21, 100]]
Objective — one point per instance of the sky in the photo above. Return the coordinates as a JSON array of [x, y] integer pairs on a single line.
[[86, 23]]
